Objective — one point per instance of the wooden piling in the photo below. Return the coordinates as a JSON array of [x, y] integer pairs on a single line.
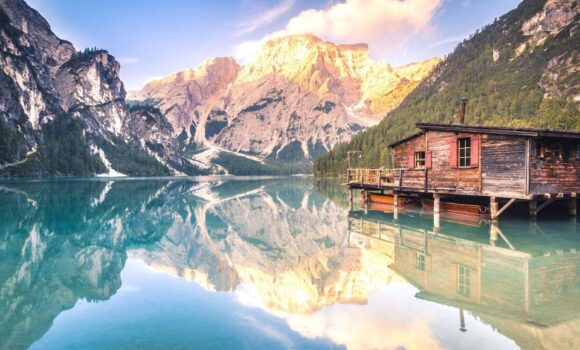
[[436, 202], [493, 207]]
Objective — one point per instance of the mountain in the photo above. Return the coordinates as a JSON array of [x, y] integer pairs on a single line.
[[298, 98], [522, 70], [63, 112]]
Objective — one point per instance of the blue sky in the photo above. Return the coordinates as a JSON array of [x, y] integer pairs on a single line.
[[152, 38]]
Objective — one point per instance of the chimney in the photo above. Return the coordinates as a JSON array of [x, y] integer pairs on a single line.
[[462, 107]]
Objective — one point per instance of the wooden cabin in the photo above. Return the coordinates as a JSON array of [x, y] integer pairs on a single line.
[[495, 162]]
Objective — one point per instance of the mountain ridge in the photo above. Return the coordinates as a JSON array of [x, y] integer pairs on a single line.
[[298, 98]]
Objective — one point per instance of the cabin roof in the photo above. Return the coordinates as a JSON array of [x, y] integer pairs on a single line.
[[412, 136], [496, 130], [493, 130]]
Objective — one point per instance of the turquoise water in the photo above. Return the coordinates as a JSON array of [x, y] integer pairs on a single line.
[[280, 263]]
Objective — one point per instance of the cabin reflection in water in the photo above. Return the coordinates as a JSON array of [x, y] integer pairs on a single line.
[[520, 277]]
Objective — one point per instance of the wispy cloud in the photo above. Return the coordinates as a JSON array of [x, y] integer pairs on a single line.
[[449, 40], [127, 60], [379, 23], [264, 18]]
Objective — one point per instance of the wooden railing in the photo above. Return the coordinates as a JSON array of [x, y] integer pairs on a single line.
[[388, 178]]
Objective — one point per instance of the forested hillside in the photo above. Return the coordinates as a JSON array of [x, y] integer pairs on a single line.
[[523, 70]]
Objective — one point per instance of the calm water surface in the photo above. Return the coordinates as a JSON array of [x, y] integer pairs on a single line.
[[278, 263]]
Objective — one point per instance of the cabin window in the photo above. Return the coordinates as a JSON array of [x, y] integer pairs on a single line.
[[464, 145], [464, 281], [420, 159], [539, 150], [420, 261], [558, 151]]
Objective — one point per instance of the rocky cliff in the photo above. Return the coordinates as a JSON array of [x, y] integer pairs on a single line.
[[62, 112], [297, 99]]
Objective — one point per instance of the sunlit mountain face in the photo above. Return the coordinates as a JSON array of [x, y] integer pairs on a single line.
[[271, 263]]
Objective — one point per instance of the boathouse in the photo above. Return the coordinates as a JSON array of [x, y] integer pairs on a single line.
[[497, 164]]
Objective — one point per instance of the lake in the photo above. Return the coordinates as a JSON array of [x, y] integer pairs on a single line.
[[272, 263]]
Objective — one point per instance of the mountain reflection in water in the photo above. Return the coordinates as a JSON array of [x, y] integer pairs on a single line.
[[295, 266]]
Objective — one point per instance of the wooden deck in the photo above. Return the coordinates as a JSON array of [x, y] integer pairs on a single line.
[[408, 181], [388, 178]]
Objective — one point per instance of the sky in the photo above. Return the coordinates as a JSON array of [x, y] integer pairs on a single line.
[[153, 38]]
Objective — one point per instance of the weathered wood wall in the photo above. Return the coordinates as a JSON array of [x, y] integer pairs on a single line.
[[551, 174], [441, 175], [503, 160], [401, 151]]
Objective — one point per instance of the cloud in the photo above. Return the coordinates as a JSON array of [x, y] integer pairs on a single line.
[[265, 17], [127, 60], [380, 23], [366, 20], [247, 50]]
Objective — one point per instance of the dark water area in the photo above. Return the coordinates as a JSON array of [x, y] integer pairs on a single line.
[[273, 263]]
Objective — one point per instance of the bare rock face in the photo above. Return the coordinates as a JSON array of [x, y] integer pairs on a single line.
[[90, 83], [560, 77], [46, 81], [30, 54], [296, 100], [556, 15], [181, 93]]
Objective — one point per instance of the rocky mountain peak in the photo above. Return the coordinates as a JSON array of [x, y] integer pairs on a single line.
[[211, 68], [297, 57], [90, 80], [299, 97]]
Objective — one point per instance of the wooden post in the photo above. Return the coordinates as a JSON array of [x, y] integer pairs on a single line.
[[533, 206], [493, 208], [436, 203], [395, 199], [572, 206], [350, 199], [436, 222]]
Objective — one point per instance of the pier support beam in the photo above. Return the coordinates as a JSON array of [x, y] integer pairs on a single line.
[[436, 222], [572, 206], [500, 211], [493, 207], [436, 203]]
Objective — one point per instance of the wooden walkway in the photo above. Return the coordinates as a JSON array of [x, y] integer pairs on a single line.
[[420, 182]]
